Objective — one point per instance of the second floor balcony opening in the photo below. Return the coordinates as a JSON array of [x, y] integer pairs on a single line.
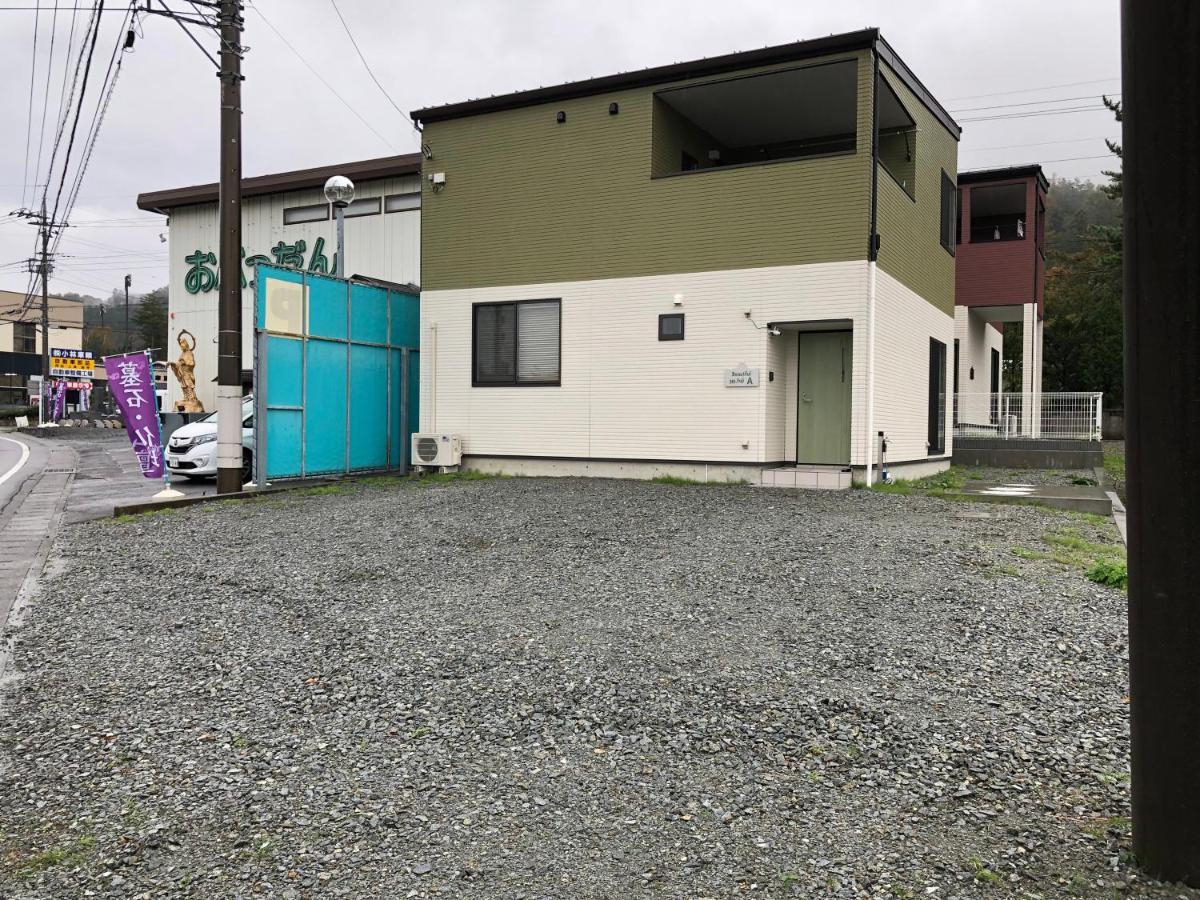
[[753, 119], [998, 213], [897, 138]]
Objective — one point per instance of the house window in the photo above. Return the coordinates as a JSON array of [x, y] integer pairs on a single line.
[[751, 119], [401, 202], [937, 397], [670, 327], [367, 206], [949, 212], [24, 337], [295, 215], [516, 343], [958, 216]]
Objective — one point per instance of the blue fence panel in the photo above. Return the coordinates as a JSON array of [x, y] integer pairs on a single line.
[[327, 308], [285, 402], [336, 393], [368, 407], [325, 408], [369, 314]]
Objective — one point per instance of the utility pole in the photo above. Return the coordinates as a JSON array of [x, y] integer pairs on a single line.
[[128, 281], [44, 392], [229, 308], [1161, 187]]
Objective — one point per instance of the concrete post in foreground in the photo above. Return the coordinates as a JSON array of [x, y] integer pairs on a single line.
[[229, 303], [1161, 93]]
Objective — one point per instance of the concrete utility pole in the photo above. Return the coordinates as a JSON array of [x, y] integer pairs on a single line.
[[1161, 91], [44, 391], [229, 309]]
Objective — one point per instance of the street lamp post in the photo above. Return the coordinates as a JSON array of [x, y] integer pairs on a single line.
[[339, 190]]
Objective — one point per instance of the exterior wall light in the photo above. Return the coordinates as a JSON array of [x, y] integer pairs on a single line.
[[560, 117]]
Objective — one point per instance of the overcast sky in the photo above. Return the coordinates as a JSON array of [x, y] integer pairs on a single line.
[[161, 128]]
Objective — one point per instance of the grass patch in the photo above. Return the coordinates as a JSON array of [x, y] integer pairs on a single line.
[[1114, 465], [949, 482], [981, 872], [322, 490], [1026, 553], [1101, 561], [126, 518], [1112, 572], [432, 478], [71, 855], [676, 480]]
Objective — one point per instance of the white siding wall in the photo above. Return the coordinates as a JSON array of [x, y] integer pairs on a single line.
[[386, 246], [976, 340], [626, 395], [903, 327]]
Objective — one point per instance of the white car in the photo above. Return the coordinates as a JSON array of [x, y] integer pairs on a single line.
[[192, 449]]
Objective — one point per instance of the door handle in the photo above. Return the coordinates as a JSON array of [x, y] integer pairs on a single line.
[[807, 398]]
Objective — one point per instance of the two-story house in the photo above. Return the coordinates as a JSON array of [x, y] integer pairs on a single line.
[[711, 269], [1000, 279]]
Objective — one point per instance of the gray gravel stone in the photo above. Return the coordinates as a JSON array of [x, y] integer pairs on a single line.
[[564, 688]]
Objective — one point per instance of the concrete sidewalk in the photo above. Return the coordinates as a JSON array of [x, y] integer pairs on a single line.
[[1076, 497]]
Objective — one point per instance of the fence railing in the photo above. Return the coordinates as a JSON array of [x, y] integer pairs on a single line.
[[1074, 416]]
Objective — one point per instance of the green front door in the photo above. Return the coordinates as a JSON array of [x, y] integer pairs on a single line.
[[823, 396]]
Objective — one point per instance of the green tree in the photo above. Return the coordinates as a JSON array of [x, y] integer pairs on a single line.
[[150, 322]]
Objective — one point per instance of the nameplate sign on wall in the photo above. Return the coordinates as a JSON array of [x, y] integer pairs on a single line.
[[741, 377]]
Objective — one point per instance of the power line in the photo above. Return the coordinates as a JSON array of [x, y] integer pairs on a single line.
[[1037, 114], [78, 111], [1034, 90], [1028, 103], [366, 65], [1100, 137], [32, 79], [46, 98], [331, 88]]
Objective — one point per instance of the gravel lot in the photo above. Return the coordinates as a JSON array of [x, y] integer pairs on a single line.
[[564, 688]]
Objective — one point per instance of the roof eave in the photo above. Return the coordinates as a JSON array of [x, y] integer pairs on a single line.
[[854, 40], [163, 202]]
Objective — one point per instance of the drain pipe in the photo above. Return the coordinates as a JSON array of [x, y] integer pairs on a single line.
[[872, 257]]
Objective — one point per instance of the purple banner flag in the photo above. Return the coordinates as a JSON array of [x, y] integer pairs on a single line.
[[132, 386], [60, 399]]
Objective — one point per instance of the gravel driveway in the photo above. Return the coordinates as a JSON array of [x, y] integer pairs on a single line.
[[565, 688]]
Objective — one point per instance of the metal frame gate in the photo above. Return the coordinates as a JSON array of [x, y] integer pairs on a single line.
[[336, 367]]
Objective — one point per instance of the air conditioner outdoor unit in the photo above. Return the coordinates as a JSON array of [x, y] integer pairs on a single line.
[[436, 449]]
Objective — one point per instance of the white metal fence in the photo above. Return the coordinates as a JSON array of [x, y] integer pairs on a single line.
[[1074, 416]]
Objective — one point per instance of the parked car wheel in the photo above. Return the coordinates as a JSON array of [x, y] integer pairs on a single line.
[[247, 466]]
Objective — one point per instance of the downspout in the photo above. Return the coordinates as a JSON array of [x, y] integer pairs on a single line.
[[872, 257]]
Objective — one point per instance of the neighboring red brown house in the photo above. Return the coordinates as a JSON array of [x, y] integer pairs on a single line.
[[1000, 266]]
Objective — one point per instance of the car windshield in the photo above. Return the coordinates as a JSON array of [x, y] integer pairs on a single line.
[[247, 409]]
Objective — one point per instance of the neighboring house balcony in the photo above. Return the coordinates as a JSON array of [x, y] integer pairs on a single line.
[[999, 279]]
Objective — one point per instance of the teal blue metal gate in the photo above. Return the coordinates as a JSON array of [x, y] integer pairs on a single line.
[[336, 365]]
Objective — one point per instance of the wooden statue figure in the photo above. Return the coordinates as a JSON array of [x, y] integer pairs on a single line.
[[185, 373]]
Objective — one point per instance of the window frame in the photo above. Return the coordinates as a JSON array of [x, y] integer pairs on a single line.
[[404, 196], [949, 214], [516, 382], [671, 337], [362, 203], [25, 334], [307, 206], [936, 432]]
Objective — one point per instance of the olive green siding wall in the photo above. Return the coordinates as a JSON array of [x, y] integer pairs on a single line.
[[528, 200], [910, 249]]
